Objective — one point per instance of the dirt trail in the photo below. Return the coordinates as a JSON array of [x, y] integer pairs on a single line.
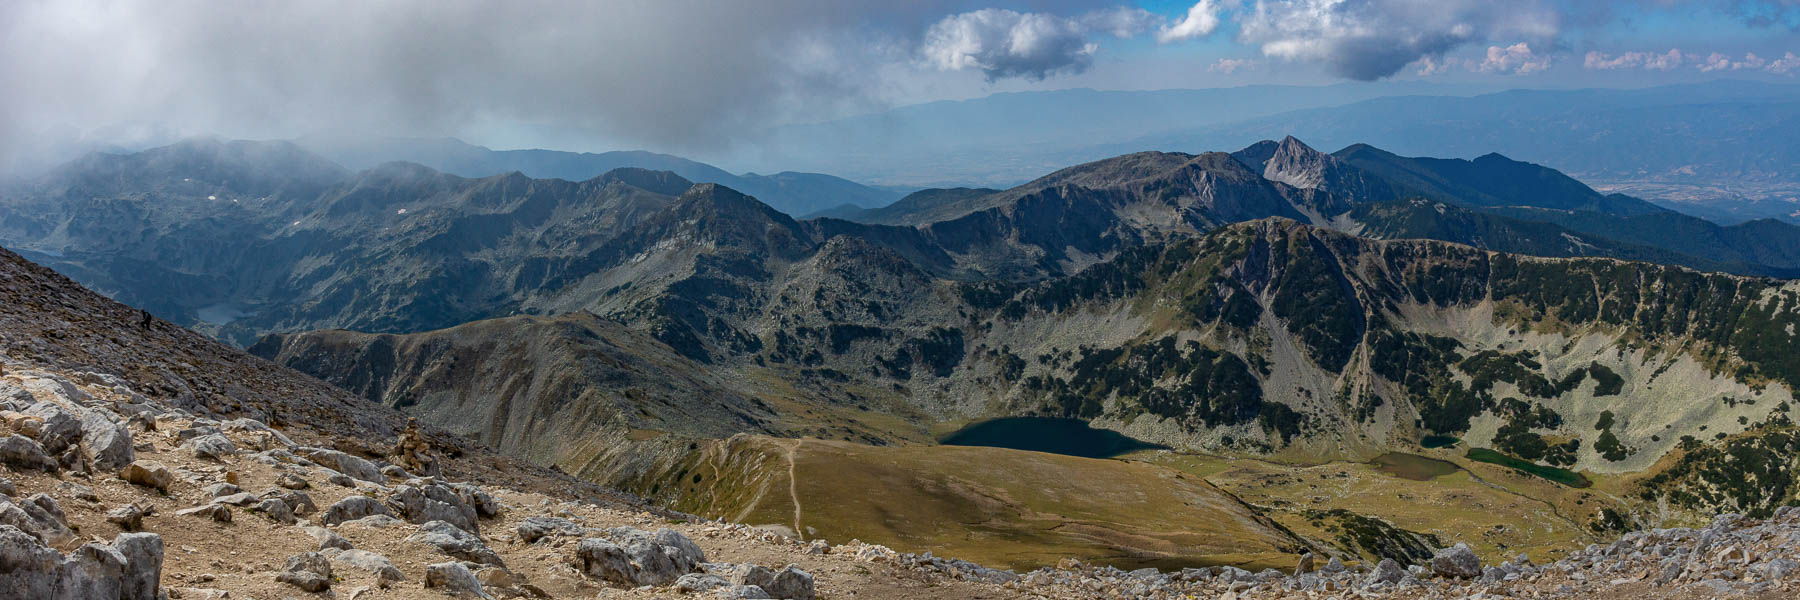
[[794, 487]]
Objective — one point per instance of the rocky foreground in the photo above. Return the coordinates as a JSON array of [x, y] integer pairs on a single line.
[[109, 494]]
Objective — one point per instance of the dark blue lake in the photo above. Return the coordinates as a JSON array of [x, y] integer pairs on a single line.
[[1070, 437]]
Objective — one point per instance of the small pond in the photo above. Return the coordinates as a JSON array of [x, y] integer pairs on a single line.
[[1070, 437], [1413, 466]]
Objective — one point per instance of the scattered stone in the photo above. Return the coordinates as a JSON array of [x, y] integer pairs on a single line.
[[634, 557], [212, 446], [384, 570], [276, 510], [353, 507], [455, 542], [328, 538], [20, 452], [433, 502], [742, 592], [1456, 561], [1305, 565], [220, 490], [216, 512], [129, 517], [693, 583], [344, 464], [791, 583], [104, 441], [454, 579], [143, 552], [150, 475], [533, 529], [292, 481], [310, 571], [1386, 572], [37, 516], [78, 491], [57, 429]]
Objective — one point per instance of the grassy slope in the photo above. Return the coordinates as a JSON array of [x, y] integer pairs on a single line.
[[990, 505]]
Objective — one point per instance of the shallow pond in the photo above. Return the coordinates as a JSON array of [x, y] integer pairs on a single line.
[[1070, 437], [1413, 466]]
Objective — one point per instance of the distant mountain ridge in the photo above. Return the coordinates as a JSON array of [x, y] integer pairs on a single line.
[[797, 194]]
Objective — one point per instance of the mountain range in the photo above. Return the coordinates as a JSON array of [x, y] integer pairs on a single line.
[[1276, 300], [1713, 148]]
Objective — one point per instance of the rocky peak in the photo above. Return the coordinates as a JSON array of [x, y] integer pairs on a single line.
[[1296, 164]]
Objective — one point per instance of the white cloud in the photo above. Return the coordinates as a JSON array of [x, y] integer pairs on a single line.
[[1201, 20], [1003, 43], [1652, 61], [1751, 62], [1372, 39], [1517, 58], [1231, 65], [1431, 65], [1120, 22]]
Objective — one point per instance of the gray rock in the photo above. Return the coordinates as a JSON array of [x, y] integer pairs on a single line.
[[328, 538], [20, 452], [792, 583], [292, 481], [1780, 569], [129, 517], [454, 579], [222, 489], [238, 499], [533, 529], [383, 569], [486, 506], [215, 512], [1387, 571], [104, 441], [352, 507], [143, 554], [374, 522], [1333, 566], [28, 568], [38, 516], [455, 542], [59, 430], [749, 574], [1305, 565], [77, 491], [693, 583], [276, 510], [214, 446], [742, 592], [345, 464], [297, 500], [309, 571], [433, 502], [1456, 561], [635, 557], [94, 571]]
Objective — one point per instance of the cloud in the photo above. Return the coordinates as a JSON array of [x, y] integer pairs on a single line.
[[1431, 65], [1003, 43], [1517, 58], [1372, 39], [1120, 22], [1720, 62], [1652, 61], [1231, 65], [674, 75], [1201, 20]]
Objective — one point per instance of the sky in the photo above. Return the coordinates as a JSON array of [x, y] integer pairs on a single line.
[[692, 77]]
